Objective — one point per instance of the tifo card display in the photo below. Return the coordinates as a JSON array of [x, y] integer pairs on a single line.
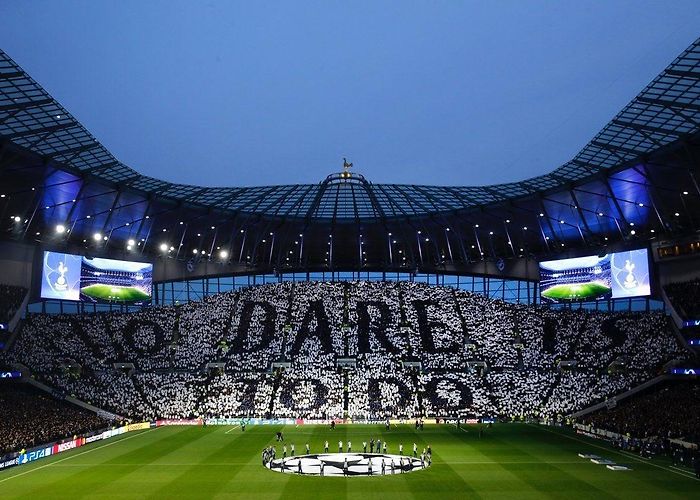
[[75, 277], [596, 277]]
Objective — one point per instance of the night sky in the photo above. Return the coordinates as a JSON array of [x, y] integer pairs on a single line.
[[251, 93]]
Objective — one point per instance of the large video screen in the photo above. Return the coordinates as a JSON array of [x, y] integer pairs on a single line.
[[74, 277], [596, 277]]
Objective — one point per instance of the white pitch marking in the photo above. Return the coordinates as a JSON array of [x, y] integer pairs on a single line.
[[256, 464], [76, 455], [232, 428], [678, 468], [614, 451]]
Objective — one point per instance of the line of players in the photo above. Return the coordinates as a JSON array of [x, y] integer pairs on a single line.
[[270, 453], [380, 446]]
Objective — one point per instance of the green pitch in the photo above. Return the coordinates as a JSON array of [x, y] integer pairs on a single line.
[[580, 291], [513, 461], [114, 293]]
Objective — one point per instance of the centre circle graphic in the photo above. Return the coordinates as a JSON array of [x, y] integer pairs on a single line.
[[347, 464]]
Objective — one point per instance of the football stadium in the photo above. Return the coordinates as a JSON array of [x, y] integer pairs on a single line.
[[235, 336]]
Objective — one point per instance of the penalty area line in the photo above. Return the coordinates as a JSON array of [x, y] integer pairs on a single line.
[[616, 452], [76, 455], [232, 429]]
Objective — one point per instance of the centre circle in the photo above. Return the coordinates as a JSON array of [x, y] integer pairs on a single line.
[[348, 464]]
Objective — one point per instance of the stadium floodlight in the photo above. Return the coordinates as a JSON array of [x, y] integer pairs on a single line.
[[524, 228], [223, 254], [17, 218], [163, 247], [684, 192], [60, 229], [128, 247], [633, 232], [97, 236], [131, 243], [677, 214], [195, 251]]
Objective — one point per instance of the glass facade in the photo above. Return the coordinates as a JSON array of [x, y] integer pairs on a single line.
[[515, 291], [181, 292]]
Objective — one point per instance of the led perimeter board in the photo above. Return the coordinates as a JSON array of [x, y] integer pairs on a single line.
[[74, 277], [612, 276]]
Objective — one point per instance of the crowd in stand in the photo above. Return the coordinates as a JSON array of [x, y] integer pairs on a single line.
[[11, 298], [416, 349], [29, 417], [670, 411], [685, 297]]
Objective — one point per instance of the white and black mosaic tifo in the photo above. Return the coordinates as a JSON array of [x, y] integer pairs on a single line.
[[348, 464]]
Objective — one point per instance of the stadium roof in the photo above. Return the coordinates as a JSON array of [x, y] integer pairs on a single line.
[[630, 173]]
